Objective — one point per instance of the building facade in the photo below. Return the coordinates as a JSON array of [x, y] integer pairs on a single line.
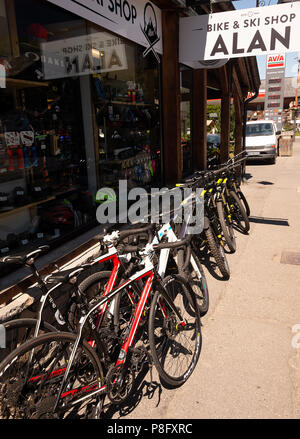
[[93, 92]]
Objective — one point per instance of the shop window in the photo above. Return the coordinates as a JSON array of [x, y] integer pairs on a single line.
[[186, 79], [45, 194], [79, 111], [126, 100]]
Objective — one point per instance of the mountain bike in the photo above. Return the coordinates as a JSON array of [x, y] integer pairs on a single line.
[[212, 234]]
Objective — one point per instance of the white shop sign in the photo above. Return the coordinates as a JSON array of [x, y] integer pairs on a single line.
[[94, 53], [240, 33], [137, 20]]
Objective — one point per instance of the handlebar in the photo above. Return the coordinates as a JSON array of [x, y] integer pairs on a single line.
[[126, 233], [182, 243], [164, 245], [123, 234]]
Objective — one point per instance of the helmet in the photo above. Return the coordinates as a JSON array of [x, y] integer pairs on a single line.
[[59, 215]]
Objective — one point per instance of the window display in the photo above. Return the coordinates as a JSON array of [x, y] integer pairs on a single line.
[[44, 193], [80, 110], [128, 119]]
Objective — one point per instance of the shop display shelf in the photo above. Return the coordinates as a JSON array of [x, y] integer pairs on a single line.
[[26, 206], [22, 83], [36, 203], [135, 104]]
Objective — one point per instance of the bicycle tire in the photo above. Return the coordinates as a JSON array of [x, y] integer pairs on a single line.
[[166, 337], [18, 331], [226, 227], [197, 280], [30, 391], [217, 252], [239, 214], [244, 202]]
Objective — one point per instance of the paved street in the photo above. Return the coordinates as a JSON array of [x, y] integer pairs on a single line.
[[248, 367]]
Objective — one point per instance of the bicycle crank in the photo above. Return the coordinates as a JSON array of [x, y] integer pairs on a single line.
[[119, 383]]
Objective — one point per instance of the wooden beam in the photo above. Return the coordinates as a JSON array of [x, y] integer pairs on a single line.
[[236, 83], [224, 80], [12, 26], [225, 127], [172, 153], [238, 132], [225, 113], [199, 131], [242, 74], [212, 80]]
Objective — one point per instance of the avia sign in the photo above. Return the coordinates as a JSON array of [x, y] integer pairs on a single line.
[[261, 94], [275, 61], [240, 33]]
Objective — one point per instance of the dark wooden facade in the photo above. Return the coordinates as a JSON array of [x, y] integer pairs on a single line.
[[230, 83]]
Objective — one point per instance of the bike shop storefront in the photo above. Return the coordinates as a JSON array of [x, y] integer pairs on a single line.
[[80, 110]]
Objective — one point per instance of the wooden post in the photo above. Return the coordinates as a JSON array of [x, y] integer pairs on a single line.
[[225, 127], [14, 41], [238, 134], [172, 152], [199, 129], [225, 113], [12, 26], [238, 96]]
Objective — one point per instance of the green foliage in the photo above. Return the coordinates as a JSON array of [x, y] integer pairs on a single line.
[[288, 127]]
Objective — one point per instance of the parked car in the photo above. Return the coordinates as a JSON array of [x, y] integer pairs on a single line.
[[261, 140], [213, 142]]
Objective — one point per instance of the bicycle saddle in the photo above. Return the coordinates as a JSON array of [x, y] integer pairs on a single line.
[[63, 276], [27, 259]]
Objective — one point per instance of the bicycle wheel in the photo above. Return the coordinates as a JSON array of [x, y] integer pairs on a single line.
[[175, 342], [227, 228], [218, 253], [92, 290], [244, 202], [239, 214], [197, 279], [18, 331], [31, 376]]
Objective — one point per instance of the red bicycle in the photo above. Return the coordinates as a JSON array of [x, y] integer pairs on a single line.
[[71, 374]]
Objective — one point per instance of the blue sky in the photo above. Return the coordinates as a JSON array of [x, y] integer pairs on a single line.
[[291, 58]]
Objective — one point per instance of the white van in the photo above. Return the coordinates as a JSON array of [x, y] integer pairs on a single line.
[[261, 140]]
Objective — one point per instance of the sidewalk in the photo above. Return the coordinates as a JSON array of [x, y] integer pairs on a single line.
[[248, 367]]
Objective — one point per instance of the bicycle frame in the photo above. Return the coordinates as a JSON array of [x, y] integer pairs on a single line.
[[149, 273], [167, 231], [46, 296]]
